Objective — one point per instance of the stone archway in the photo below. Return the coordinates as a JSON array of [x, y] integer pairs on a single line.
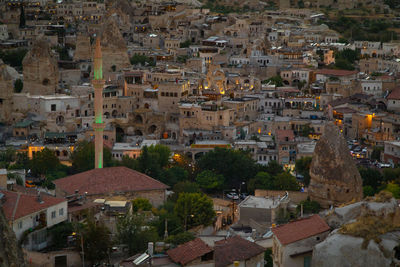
[[114, 113], [138, 119], [119, 133], [152, 129], [138, 132]]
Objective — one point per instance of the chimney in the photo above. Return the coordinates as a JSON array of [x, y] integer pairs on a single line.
[[3, 179], [150, 248]]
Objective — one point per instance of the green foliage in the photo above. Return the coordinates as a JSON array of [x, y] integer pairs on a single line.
[[343, 64], [376, 153], [390, 174], [368, 30], [285, 181], [303, 167], [368, 191], [262, 180], [83, 157], [133, 231], [394, 189], [184, 187], [153, 159], [209, 180], [18, 86], [13, 57], [22, 20], [141, 204], [283, 216], [182, 59], [185, 44], [96, 240], [44, 162], [236, 166], [306, 130], [161, 153], [194, 209], [276, 80], [143, 60], [63, 52], [174, 175], [268, 260], [180, 238], [128, 162], [166, 213], [309, 206], [273, 168], [371, 177], [60, 233]]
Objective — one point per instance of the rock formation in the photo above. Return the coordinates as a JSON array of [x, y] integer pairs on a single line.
[[7, 78], [10, 253], [367, 234], [334, 175], [114, 50], [40, 70], [83, 49]]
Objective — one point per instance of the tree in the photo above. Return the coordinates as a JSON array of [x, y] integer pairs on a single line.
[[236, 166], [276, 80], [343, 64], [306, 130], [128, 162], [303, 167], [14, 57], [174, 175], [262, 180], [22, 17], [96, 240], [141, 204], [161, 153], [371, 177], [44, 162], [142, 59], [84, 155], [209, 180], [133, 231], [166, 213], [273, 168], [390, 174], [309, 206], [268, 260], [60, 233], [194, 209], [285, 181], [376, 153], [184, 187], [185, 44], [180, 238], [394, 189], [18, 86], [368, 191]]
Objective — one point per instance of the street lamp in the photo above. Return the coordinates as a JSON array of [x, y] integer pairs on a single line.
[[191, 216], [83, 252], [240, 188]]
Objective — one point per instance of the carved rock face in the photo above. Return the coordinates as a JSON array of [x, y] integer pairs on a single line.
[[334, 175], [40, 70], [113, 48]]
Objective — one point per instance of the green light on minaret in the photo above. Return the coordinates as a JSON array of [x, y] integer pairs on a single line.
[[100, 164], [98, 71]]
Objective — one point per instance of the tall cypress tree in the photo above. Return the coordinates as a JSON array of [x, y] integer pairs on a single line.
[[22, 17]]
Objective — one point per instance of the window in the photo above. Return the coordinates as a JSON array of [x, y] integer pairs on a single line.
[[20, 225], [61, 212], [53, 107], [53, 214]]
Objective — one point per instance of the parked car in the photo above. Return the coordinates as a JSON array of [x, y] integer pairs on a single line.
[[232, 195]]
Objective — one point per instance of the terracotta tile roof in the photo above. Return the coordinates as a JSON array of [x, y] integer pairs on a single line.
[[395, 94], [282, 134], [18, 205], [235, 249], [300, 229], [107, 180], [185, 253], [336, 72]]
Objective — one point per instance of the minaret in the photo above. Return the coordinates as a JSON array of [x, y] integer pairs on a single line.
[[98, 124]]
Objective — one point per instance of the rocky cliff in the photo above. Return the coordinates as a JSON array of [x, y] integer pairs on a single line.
[[367, 234], [113, 46], [10, 253], [40, 69], [334, 175]]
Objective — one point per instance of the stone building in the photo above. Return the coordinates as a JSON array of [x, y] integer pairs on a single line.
[[334, 175], [83, 49], [40, 70]]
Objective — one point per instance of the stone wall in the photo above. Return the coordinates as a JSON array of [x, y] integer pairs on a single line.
[[294, 196]]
